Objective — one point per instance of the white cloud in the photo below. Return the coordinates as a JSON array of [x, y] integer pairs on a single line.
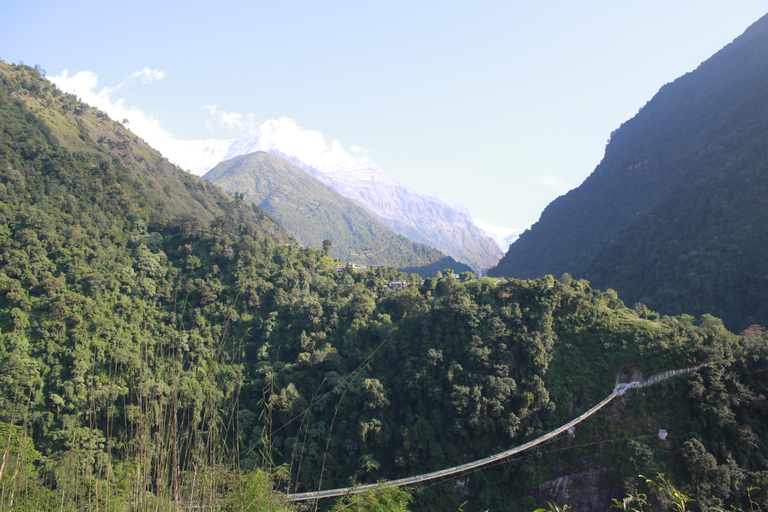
[[246, 125], [84, 84], [195, 156], [147, 75], [198, 156], [286, 136]]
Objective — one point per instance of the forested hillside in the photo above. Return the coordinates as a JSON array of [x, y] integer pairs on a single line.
[[675, 214], [153, 360], [126, 172], [313, 212], [425, 219]]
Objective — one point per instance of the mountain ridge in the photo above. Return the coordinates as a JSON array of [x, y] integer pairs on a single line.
[[147, 356], [419, 217], [314, 212], [160, 191], [679, 180]]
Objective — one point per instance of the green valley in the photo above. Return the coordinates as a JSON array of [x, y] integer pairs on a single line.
[[165, 346]]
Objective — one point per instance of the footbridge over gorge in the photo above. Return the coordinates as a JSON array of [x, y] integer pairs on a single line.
[[619, 390]]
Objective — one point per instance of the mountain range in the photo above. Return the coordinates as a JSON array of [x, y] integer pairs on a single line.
[[163, 344], [422, 218], [503, 237], [313, 212], [675, 215]]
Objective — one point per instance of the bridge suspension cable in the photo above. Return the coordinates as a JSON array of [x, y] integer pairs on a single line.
[[620, 389]]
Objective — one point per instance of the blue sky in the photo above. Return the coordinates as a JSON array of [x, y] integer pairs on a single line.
[[499, 106]]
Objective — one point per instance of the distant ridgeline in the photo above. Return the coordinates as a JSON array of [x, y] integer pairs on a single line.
[[160, 341], [676, 214], [422, 218], [313, 212]]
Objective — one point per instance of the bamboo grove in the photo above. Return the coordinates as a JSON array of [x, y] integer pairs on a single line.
[[166, 347]]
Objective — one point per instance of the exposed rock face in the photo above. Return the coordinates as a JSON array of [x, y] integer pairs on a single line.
[[313, 212], [589, 491], [424, 219]]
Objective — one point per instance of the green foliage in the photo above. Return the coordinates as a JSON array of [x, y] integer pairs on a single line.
[[316, 214], [17, 450], [676, 499], [382, 498], [158, 355], [255, 492], [665, 495], [551, 507], [631, 503]]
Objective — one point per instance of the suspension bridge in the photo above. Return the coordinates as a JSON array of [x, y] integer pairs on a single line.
[[619, 390]]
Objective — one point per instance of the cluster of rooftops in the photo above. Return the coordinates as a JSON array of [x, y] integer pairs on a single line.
[[390, 284]]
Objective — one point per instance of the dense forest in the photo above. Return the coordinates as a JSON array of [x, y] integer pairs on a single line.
[[674, 216], [313, 213], [165, 346]]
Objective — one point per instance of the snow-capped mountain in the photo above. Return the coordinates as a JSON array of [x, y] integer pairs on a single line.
[[426, 219], [309, 148], [502, 236]]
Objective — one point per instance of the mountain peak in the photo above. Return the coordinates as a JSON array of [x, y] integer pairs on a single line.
[[679, 197], [425, 219], [313, 212], [284, 138]]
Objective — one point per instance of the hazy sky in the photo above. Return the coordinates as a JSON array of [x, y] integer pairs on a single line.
[[499, 106]]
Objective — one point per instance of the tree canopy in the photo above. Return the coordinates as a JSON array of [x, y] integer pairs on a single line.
[[174, 348]]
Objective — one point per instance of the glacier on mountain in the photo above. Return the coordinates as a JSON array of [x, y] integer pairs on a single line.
[[503, 237]]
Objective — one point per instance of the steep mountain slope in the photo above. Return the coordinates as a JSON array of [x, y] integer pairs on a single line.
[[313, 212], [134, 175], [675, 214], [425, 219], [103, 284], [147, 363]]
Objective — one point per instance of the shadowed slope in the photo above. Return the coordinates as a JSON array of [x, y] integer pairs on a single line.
[[675, 214]]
